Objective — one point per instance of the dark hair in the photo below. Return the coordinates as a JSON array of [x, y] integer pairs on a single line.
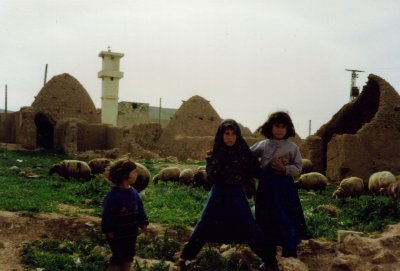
[[228, 124], [277, 117], [119, 170]]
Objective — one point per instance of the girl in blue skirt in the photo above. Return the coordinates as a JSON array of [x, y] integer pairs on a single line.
[[278, 208]]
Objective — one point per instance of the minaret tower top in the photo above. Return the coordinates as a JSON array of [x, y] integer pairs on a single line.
[[110, 76]]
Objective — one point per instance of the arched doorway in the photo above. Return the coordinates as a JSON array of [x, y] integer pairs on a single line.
[[44, 131]]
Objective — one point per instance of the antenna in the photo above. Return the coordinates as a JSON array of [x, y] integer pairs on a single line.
[[354, 90]]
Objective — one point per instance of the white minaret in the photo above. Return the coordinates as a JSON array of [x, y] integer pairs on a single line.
[[110, 76]]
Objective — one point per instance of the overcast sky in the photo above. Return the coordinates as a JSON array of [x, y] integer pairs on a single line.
[[247, 57]]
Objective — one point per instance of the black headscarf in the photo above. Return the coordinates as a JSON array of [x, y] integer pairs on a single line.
[[231, 164]]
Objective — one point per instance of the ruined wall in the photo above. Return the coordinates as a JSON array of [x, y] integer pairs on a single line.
[[60, 133], [146, 135], [25, 128], [348, 155], [118, 137], [188, 147], [363, 136], [313, 148], [7, 127], [93, 136]]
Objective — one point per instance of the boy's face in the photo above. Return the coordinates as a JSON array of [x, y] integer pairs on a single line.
[[279, 130], [229, 137], [132, 176]]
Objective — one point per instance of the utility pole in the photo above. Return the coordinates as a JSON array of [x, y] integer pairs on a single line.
[[354, 90], [45, 75], [159, 113], [309, 127], [5, 102]]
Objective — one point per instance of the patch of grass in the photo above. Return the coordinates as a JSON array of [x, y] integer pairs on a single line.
[[367, 213], [63, 255], [95, 190], [155, 247], [174, 205]]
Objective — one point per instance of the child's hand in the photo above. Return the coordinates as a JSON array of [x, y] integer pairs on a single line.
[[279, 165]]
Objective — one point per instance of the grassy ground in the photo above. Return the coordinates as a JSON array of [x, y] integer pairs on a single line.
[[173, 206]]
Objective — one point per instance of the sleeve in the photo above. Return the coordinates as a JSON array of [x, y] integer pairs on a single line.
[[213, 169], [294, 167], [252, 166], [107, 221], [143, 220], [257, 148]]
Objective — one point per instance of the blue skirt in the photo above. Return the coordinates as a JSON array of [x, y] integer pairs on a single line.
[[227, 218], [278, 210]]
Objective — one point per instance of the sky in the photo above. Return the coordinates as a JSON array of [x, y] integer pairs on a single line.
[[249, 58]]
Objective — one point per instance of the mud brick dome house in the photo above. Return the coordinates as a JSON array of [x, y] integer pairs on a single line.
[[61, 99], [363, 137]]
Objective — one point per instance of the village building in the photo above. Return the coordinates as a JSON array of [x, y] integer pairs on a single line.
[[363, 137], [130, 113]]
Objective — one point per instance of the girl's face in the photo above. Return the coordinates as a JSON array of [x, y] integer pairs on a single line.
[[132, 177], [279, 130], [229, 137]]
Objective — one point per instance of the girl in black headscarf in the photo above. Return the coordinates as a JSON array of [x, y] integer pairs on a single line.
[[227, 217]]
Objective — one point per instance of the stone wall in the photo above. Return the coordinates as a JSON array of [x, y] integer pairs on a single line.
[[25, 128], [7, 127], [348, 155], [146, 135], [313, 148], [92, 136]]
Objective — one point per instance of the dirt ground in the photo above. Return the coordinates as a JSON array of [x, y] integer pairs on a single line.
[[17, 229]]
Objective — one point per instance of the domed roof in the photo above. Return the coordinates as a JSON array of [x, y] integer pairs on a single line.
[[195, 117], [64, 97]]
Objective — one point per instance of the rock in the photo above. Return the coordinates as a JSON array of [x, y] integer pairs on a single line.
[[341, 234], [292, 264], [375, 252]]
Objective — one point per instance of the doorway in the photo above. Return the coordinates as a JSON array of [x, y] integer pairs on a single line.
[[44, 131]]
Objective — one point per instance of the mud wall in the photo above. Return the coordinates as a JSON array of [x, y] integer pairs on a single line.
[[7, 127], [363, 137]]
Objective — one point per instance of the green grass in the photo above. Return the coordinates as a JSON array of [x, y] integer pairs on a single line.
[[173, 206], [63, 255], [367, 213]]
